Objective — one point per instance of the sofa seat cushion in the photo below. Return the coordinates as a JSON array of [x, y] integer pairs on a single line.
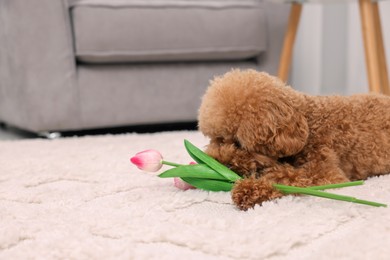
[[113, 31]]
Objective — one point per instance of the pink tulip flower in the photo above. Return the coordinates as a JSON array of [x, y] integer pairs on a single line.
[[179, 183], [149, 160]]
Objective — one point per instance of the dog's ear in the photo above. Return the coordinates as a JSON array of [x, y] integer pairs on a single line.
[[273, 127]]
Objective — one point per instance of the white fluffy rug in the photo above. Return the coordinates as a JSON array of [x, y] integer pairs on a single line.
[[80, 198]]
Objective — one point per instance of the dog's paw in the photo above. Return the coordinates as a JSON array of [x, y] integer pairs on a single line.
[[243, 195], [247, 193]]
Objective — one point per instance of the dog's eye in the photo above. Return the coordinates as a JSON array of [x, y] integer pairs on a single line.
[[237, 143]]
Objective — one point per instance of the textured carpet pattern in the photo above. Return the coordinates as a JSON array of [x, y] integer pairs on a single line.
[[79, 198]]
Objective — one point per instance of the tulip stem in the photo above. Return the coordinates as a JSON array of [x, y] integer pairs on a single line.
[[171, 164]]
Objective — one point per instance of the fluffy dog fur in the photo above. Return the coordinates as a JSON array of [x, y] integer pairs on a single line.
[[270, 133]]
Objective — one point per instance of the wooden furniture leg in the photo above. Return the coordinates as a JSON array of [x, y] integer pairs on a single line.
[[381, 51], [289, 39], [370, 45]]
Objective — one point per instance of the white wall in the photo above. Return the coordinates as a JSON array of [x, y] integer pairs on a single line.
[[328, 55]]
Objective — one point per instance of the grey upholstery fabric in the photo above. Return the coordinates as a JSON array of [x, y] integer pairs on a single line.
[[37, 66], [171, 3], [127, 31], [141, 94], [43, 88]]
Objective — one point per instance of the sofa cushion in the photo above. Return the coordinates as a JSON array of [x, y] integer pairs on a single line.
[[173, 30]]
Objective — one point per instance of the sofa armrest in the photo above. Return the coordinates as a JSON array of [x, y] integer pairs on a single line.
[[38, 88]]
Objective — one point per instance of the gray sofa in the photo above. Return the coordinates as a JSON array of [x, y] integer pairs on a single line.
[[86, 64]]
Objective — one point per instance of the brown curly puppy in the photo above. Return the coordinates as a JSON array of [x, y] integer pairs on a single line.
[[270, 133]]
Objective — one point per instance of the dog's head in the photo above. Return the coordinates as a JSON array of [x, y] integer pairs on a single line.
[[252, 120]]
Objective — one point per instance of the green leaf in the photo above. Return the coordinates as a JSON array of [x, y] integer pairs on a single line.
[[201, 171], [308, 191], [200, 157], [209, 185]]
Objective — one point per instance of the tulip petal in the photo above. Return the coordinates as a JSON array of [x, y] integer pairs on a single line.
[[179, 183], [137, 161], [149, 160]]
